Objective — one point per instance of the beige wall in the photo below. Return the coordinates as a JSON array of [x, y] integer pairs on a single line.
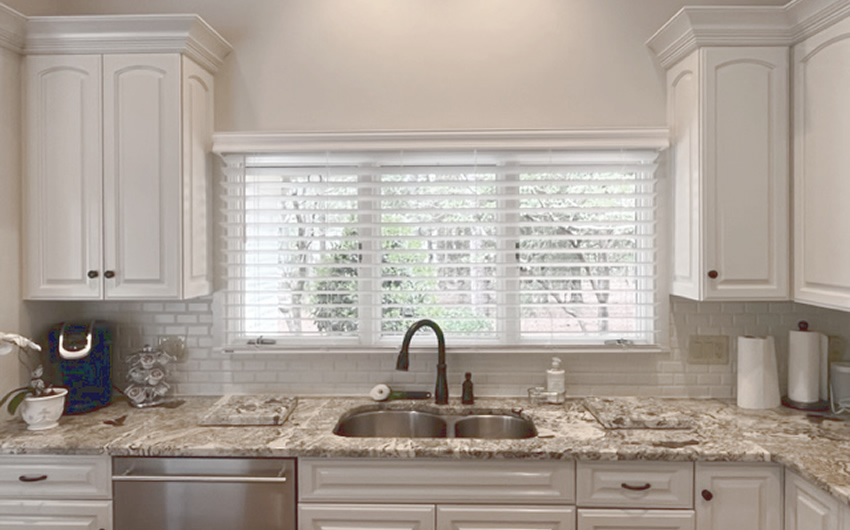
[[341, 65], [10, 189]]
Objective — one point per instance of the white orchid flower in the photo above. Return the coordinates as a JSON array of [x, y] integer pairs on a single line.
[[8, 340]]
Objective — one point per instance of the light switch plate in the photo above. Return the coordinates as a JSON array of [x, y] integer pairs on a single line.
[[708, 349]]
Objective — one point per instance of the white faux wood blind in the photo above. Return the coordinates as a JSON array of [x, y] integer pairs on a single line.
[[499, 248]]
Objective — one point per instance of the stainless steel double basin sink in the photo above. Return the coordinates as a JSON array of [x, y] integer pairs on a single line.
[[402, 423]]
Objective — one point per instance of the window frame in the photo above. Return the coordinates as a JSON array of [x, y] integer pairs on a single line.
[[230, 146]]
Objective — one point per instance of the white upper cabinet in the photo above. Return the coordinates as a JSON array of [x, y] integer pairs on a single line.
[[728, 92], [728, 115], [821, 166], [117, 188], [141, 175], [63, 190]]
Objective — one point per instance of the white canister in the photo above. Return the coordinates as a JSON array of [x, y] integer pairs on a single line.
[[839, 387]]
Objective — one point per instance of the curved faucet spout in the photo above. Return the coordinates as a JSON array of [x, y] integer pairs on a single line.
[[441, 392]]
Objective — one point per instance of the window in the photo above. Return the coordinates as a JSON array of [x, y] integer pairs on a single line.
[[501, 248]]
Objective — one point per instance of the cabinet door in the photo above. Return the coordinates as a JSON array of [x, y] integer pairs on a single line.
[[738, 497], [505, 518], [198, 112], [56, 515], [63, 184], [807, 507], [365, 517], [683, 112], [142, 185], [821, 159], [635, 519], [745, 176]]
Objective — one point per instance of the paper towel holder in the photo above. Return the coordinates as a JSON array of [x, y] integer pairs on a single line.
[[821, 405]]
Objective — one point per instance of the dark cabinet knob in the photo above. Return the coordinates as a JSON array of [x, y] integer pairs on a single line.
[[109, 274], [707, 495], [712, 274], [92, 274]]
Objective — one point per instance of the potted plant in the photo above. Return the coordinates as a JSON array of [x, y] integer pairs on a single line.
[[41, 404]]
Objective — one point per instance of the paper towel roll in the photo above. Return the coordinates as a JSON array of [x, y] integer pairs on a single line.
[[758, 376], [807, 366]]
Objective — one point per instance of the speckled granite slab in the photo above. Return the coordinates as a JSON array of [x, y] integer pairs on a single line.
[[254, 409], [816, 448], [638, 413]]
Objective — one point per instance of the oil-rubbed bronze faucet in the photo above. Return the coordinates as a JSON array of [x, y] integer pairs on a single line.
[[441, 392]]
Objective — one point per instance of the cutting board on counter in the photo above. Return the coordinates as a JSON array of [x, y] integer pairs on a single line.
[[249, 409]]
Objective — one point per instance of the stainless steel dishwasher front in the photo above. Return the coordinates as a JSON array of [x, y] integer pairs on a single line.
[[203, 493]]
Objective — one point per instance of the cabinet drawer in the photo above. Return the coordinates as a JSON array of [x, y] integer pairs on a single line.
[[635, 484], [361, 516], [55, 477], [636, 520], [56, 515], [434, 481], [506, 517]]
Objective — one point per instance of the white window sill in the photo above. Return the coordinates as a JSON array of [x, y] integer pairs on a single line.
[[460, 350]]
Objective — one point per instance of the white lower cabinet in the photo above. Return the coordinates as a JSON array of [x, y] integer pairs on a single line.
[[635, 519], [429, 516], [732, 496], [807, 507], [55, 492], [506, 517], [403, 494], [635, 495], [56, 515], [365, 517]]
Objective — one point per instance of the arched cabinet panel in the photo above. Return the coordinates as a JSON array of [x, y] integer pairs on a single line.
[[118, 177], [822, 161], [728, 114], [63, 188]]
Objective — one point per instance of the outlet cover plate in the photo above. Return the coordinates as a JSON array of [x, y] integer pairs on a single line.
[[708, 349]]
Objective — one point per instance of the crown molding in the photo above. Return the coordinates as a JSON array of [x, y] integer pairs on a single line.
[[225, 143], [696, 26], [811, 16], [186, 34], [12, 29]]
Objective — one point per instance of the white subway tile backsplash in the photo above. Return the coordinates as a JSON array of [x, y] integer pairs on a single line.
[[206, 371]]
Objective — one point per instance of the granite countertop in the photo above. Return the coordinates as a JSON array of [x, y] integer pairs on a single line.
[[685, 430]]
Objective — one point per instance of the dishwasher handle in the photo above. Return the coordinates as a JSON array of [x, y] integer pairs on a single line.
[[198, 479]]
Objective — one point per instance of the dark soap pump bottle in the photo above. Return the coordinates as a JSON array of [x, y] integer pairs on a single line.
[[467, 398]]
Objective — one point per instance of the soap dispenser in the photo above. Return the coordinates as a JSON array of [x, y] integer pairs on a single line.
[[468, 398], [555, 382]]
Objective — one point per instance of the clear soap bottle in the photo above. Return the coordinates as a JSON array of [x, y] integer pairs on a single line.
[[556, 382]]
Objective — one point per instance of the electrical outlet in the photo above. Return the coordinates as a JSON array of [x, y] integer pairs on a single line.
[[708, 349]]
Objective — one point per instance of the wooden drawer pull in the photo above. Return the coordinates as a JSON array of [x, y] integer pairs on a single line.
[[642, 487], [29, 478]]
